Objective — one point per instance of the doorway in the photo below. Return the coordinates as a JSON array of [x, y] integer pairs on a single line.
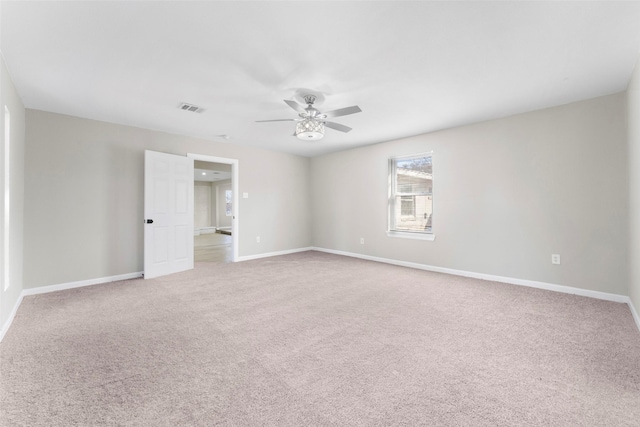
[[215, 209]]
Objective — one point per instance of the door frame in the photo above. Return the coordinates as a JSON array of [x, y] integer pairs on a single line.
[[235, 219]]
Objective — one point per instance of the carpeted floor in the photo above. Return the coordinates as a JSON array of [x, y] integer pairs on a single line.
[[313, 339]]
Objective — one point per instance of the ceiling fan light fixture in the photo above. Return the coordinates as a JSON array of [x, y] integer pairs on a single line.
[[309, 129]]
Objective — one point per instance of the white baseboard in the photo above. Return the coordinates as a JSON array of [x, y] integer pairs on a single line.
[[510, 280], [502, 279], [521, 282], [9, 320], [80, 284], [62, 287], [270, 254], [634, 313]]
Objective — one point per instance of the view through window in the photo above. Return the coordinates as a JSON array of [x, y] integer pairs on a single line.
[[411, 193]]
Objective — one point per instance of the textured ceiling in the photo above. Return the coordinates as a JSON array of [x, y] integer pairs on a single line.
[[413, 67]]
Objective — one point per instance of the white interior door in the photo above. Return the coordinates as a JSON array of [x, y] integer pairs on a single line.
[[168, 214]]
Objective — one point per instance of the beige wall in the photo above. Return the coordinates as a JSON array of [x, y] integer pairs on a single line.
[[202, 203], [508, 193], [10, 98], [633, 126], [84, 197]]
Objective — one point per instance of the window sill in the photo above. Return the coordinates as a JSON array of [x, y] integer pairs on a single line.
[[409, 235]]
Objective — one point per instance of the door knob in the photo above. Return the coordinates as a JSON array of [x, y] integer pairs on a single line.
[[149, 221]]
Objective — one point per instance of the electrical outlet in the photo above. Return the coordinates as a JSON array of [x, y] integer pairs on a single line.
[[555, 259], [257, 239], [362, 240]]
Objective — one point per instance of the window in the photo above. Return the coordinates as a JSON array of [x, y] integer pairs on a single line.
[[410, 195], [228, 194], [407, 208], [7, 196]]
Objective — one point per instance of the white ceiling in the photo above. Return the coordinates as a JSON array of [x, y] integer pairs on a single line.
[[208, 175], [413, 67]]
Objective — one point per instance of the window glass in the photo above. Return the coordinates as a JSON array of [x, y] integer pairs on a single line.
[[411, 193]]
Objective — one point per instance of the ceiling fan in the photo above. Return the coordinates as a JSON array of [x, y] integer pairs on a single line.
[[310, 126]]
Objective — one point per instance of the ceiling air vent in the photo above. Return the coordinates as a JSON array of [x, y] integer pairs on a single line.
[[190, 107]]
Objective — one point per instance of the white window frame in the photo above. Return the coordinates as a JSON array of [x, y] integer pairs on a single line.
[[393, 193]]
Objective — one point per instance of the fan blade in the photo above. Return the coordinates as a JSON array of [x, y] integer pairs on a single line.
[[293, 104], [342, 111], [337, 126], [276, 120]]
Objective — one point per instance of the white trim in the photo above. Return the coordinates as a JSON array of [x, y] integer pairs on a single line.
[[520, 282], [410, 235], [6, 253], [408, 156], [235, 187], [540, 285], [80, 284], [270, 254], [634, 313], [62, 287], [7, 324]]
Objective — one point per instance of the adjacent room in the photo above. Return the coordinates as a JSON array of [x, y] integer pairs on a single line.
[[320, 213], [213, 212]]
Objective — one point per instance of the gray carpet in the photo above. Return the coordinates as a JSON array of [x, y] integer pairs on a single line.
[[313, 339]]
